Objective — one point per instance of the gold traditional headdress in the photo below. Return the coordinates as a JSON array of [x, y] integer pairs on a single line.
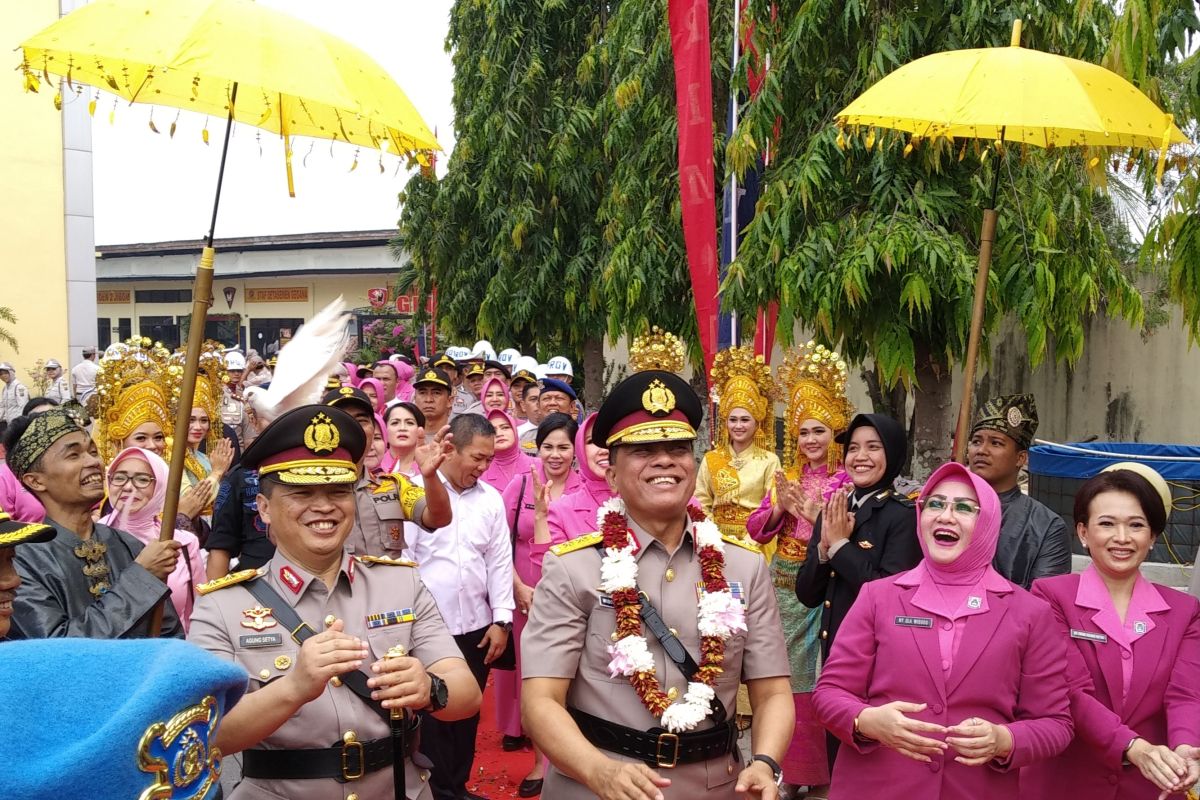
[[659, 350], [741, 379], [813, 379], [132, 388], [210, 386]]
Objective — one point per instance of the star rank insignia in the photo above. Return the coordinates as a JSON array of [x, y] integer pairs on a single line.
[[258, 618]]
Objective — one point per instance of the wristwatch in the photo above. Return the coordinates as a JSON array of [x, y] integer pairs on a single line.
[[776, 770], [507, 626], [439, 695]]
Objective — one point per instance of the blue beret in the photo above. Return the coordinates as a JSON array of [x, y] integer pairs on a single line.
[[555, 385], [131, 719]]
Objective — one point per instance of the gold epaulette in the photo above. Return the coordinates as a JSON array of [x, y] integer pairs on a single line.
[[740, 541], [391, 562], [578, 543], [232, 579]]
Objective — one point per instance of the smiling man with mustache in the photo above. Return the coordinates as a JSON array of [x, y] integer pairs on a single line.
[[91, 580]]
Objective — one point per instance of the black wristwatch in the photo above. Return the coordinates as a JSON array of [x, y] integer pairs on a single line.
[[773, 764], [505, 626], [439, 695]]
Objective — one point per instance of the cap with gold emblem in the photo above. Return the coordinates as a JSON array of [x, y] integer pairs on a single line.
[[650, 406], [309, 445], [347, 397], [432, 377], [1014, 415], [443, 360], [14, 532], [474, 368]]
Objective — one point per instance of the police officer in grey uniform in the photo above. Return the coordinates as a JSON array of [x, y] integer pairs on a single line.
[[335, 645], [386, 502], [578, 703]]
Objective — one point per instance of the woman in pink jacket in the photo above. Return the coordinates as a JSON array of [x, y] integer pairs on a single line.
[[946, 679], [1133, 652]]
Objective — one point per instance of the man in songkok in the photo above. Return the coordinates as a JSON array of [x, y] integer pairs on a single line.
[[90, 580], [135, 719], [1034, 541]]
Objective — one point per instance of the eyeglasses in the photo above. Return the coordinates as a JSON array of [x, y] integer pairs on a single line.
[[141, 480], [961, 508]]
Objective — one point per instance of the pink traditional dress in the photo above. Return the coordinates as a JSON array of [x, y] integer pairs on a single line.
[[805, 762], [144, 524], [518, 495]]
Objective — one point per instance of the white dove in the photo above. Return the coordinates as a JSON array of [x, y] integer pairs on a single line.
[[303, 365]]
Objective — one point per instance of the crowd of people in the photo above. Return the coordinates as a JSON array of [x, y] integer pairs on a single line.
[[773, 618]]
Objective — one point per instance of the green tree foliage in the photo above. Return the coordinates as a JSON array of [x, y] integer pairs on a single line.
[[874, 245], [6, 336], [558, 218]]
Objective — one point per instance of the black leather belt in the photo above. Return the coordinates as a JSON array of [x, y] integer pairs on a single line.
[[344, 761], [657, 746]]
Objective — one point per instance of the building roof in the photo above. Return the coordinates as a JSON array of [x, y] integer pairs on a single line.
[[282, 241]]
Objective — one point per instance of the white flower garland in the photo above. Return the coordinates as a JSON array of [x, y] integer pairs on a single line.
[[718, 613]]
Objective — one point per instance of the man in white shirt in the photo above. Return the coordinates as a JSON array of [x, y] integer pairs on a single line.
[[83, 375], [468, 568], [13, 394], [58, 387]]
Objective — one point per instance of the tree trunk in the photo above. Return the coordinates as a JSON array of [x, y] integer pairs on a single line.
[[932, 431], [593, 372]]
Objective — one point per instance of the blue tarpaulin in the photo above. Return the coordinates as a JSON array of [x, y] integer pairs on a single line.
[[1175, 462]]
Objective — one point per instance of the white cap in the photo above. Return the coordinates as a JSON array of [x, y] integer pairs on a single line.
[[542, 372], [483, 351], [559, 365], [53, 364], [235, 360], [509, 356], [458, 353], [527, 363], [6, 366]]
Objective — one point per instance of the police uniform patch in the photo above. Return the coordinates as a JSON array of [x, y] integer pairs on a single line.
[[735, 589], [258, 618], [385, 618], [253, 640], [231, 579], [291, 579], [390, 562], [578, 543]]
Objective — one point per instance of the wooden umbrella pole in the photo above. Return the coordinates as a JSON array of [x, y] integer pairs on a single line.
[[987, 237], [202, 299]]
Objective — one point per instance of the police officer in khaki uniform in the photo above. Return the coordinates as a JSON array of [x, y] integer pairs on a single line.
[[578, 702], [317, 626], [386, 502]]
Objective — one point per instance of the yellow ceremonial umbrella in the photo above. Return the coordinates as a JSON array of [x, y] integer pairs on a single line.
[[236, 59], [1010, 94]]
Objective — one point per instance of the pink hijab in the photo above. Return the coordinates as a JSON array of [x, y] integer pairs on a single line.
[[574, 513], [596, 485], [378, 387], [352, 371], [503, 386], [404, 375], [142, 523], [509, 463], [974, 562]]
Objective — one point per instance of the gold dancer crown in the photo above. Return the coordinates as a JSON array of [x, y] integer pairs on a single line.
[[741, 379], [659, 350], [813, 378]]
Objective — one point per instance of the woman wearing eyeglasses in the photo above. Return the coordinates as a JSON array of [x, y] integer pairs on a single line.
[[945, 680], [1133, 652], [137, 490]]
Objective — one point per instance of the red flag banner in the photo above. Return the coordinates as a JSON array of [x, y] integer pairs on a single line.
[[688, 21]]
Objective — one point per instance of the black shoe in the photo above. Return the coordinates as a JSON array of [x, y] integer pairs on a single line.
[[530, 788], [512, 743]]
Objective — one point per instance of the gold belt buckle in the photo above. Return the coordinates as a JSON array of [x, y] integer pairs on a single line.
[[673, 742], [348, 746]]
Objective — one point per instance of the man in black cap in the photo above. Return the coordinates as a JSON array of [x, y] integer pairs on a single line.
[[90, 580], [433, 395], [1034, 541], [639, 601], [13, 533], [386, 502], [334, 644]]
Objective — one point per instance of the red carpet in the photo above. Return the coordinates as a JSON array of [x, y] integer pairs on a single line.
[[496, 774]]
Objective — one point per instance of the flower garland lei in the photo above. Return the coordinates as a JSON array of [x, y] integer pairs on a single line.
[[719, 615]]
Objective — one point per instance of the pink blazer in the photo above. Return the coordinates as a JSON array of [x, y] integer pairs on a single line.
[[1163, 705], [1007, 670]]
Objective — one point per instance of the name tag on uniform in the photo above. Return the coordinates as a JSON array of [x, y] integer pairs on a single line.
[[385, 618], [607, 601], [915, 622], [253, 640], [1089, 636]]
